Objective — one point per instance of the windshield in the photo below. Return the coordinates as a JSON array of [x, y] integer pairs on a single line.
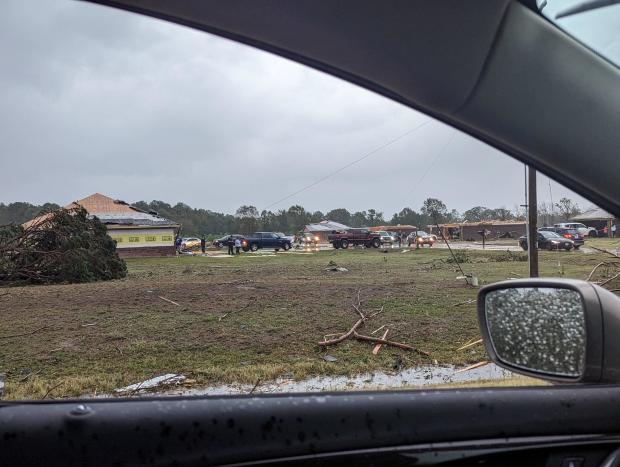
[[550, 234], [592, 22], [149, 174]]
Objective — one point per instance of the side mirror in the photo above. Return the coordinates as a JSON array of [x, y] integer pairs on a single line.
[[552, 329]]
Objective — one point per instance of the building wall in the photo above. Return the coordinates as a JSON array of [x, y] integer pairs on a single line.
[[128, 238]]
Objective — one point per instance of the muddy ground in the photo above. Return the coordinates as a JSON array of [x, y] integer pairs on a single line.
[[248, 318]]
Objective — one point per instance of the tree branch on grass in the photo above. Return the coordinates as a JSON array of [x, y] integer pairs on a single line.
[[610, 279], [51, 389], [605, 251], [400, 345], [353, 332]]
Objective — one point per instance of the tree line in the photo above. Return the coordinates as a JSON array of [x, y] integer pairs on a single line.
[[247, 219]]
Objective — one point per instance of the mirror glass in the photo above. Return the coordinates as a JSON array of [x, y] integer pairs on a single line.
[[540, 329]]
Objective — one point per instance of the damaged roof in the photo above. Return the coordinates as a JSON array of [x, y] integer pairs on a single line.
[[596, 214], [113, 211], [326, 226]]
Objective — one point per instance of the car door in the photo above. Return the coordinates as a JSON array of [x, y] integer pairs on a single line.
[[270, 240]]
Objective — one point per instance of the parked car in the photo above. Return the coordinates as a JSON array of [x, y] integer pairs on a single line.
[[354, 237], [190, 243], [421, 238], [259, 240], [572, 234], [581, 228], [222, 242], [549, 241], [386, 237]]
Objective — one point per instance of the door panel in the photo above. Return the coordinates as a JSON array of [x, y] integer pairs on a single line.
[[234, 429]]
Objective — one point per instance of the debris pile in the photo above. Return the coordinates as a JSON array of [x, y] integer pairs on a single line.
[[610, 268], [65, 246]]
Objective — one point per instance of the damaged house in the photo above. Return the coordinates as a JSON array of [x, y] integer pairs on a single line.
[[137, 233]]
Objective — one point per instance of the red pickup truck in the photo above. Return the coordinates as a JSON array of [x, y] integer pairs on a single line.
[[354, 237]]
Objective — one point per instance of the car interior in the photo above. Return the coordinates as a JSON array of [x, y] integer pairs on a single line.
[[498, 70]]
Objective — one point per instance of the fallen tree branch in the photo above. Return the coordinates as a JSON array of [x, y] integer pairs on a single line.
[[353, 332], [605, 251], [375, 351], [610, 279], [471, 367], [602, 263], [255, 386], [471, 344], [168, 300], [359, 312], [377, 330], [465, 302], [32, 373], [51, 389], [344, 336], [378, 340]]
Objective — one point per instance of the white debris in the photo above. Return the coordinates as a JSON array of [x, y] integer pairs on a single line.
[[167, 379]]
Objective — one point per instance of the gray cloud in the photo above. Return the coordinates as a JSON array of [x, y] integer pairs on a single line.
[[95, 99]]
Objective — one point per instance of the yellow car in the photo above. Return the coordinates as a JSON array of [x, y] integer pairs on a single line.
[[190, 243]]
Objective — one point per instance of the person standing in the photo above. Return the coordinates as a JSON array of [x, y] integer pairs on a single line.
[[203, 243], [177, 244], [613, 230], [237, 245], [231, 243]]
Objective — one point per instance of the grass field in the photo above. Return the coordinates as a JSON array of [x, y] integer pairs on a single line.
[[247, 318]]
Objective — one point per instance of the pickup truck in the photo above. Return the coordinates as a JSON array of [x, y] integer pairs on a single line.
[[354, 237], [259, 240]]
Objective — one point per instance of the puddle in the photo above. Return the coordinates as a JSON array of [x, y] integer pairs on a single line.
[[420, 376], [413, 377]]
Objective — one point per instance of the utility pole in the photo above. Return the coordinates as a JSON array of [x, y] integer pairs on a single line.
[[532, 226]]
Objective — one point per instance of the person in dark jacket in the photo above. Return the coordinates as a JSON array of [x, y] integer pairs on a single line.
[[203, 243], [231, 244]]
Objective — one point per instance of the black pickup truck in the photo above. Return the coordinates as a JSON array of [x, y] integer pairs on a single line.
[[354, 237], [259, 240]]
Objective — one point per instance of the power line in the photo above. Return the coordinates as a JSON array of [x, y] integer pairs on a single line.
[[435, 159], [365, 156]]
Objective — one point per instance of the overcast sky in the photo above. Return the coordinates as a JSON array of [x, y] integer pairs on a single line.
[[99, 100]]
